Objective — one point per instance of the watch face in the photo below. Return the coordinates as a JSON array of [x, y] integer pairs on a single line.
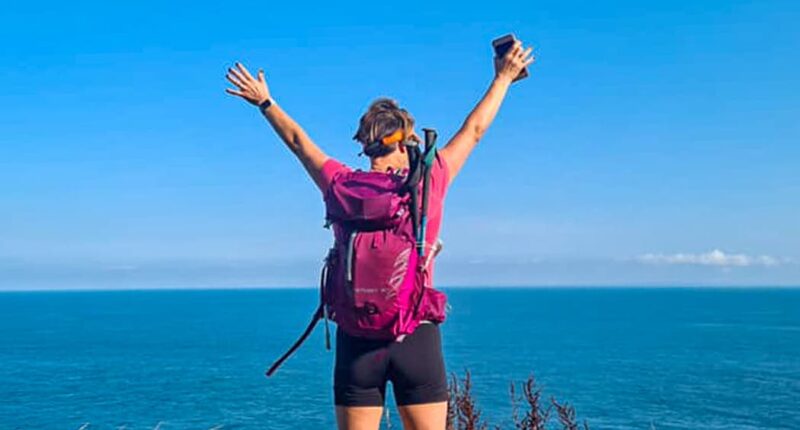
[[265, 104]]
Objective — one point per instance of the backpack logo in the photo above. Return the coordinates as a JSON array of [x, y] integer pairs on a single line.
[[400, 269]]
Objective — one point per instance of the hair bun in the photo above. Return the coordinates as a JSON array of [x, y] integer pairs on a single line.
[[383, 104]]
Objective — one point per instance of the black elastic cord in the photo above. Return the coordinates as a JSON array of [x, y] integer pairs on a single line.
[[376, 149]]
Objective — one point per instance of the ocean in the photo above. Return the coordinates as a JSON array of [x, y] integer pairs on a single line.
[[626, 358]]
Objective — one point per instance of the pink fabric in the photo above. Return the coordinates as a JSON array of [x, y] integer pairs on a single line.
[[440, 177]]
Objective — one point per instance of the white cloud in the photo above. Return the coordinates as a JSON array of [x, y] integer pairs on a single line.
[[714, 258]]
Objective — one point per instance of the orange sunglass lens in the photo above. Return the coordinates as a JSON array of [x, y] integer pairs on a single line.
[[393, 138]]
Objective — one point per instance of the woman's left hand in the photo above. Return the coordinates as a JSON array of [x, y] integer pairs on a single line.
[[253, 90]]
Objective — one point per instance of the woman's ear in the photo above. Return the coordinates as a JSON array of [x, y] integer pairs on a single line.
[[402, 148]]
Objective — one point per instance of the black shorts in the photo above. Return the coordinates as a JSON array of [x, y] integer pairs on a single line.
[[415, 367]]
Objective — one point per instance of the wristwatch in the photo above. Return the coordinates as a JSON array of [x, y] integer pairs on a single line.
[[265, 104]]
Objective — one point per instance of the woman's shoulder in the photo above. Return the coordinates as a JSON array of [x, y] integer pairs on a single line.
[[333, 165], [332, 168]]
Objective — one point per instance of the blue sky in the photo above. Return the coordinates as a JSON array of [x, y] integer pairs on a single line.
[[654, 144]]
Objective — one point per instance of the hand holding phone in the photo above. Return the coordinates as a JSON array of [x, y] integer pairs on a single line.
[[510, 58]]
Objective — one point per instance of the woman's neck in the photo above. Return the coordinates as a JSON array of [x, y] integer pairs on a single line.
[[395, 161]]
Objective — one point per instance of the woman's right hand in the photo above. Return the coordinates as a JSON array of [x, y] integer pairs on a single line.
[[253, 90], [509, 66]]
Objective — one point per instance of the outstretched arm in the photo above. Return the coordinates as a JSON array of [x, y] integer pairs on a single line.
[[256, 92], [457, 150]]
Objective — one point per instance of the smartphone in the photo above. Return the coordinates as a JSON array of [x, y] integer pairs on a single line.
[[501, 46]]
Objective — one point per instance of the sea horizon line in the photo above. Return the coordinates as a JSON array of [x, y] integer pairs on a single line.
[[444, 287]]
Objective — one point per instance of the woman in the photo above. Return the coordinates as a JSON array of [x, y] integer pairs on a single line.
[[415, 366]]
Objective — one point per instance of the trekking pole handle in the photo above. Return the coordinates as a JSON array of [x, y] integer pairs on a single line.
[[430, 153], [430, 137]]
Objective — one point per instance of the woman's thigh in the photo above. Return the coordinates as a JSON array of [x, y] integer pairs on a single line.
[[427, 416], [359, 417]]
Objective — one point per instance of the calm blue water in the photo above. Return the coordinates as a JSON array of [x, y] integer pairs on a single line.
[[626, 358]]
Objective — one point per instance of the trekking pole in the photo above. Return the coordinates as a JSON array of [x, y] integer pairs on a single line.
[[430, 154], [412, 148]]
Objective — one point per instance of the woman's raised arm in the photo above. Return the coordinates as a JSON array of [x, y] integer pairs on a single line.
[[457, 150], [255, 91]]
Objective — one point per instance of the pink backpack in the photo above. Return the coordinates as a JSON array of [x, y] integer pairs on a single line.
[[373, 283]]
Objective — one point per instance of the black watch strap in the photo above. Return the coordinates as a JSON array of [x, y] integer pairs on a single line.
[[265, 104]]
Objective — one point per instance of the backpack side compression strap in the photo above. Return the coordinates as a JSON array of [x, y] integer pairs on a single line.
[[320, 313], [314, 320]]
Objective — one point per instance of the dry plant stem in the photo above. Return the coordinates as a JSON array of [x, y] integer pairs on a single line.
[[566, 416], [463, 413], [451, 403]]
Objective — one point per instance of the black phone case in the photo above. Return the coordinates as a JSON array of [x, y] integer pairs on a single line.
[[501, 45]]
